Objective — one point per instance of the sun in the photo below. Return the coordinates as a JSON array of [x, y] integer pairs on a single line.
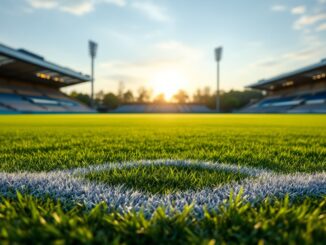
[[168, 82]]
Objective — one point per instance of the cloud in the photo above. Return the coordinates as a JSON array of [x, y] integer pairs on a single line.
[[279, 8], [321, 27], [279, 63], [152, 11], [78, 9], [43, 4], [168, 56], [178, 50], [75, 7], [301, 55], [312, 40], [292, 59], [135, 70], [81, 7], [120, 3], [312, 19], [298, 10], [307, 20], [134, 73]]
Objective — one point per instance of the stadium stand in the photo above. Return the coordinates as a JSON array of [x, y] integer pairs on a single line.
[[300, 91], [30, 84], [162, 108]]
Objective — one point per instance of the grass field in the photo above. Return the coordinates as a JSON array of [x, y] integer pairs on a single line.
[[290, 149]]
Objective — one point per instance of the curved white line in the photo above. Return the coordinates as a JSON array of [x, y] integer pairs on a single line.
[[68, 187]]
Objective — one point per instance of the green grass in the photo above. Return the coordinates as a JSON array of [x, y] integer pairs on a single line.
[[285, 143], [164, 179], [30, 221]]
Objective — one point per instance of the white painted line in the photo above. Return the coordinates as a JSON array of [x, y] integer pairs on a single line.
[[69, 188]]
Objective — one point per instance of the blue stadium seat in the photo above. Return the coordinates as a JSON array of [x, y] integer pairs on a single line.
[[162, 108], [18, 103], [305, 103]]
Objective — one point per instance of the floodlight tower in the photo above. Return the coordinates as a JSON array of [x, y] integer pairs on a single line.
[[92, 51], [218, 57]]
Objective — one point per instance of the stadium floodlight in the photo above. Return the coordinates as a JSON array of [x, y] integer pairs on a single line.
[[218, 54], [218, 57], [92, 51]]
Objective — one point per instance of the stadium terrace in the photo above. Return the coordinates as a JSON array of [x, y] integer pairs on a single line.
[[30, 84], [299, 91]]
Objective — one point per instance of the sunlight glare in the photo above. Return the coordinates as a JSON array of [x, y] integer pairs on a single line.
[[168, 82]]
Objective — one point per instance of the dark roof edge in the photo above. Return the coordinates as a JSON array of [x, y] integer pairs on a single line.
[[13, 53], [288, 74]]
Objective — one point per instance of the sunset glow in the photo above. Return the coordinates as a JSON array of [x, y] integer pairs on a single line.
[[168, 82]]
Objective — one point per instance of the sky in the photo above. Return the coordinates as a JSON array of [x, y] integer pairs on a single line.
[[166, 45]]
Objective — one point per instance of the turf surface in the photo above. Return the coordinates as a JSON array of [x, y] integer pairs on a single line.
[[282, 143], [164, 179], [286, 143], [31, 221]]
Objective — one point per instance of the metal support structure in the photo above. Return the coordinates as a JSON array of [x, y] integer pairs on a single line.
[[218, 57], [92, 51], [218, 88], [92, 89]]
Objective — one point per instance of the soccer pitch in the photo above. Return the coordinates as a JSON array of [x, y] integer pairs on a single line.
[[163, 179]]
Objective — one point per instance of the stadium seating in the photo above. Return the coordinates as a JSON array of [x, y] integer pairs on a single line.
[[309, 108], [25, 98], [162, 108], [302, 103], [31, 84], [18, 103], [5, 110]]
